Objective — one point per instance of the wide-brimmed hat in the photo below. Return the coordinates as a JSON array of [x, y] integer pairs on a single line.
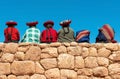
[[65, 22], [11, 23], [32, 23], [48, 22]]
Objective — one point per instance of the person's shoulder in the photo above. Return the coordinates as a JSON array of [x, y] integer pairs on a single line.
[[53, 29], [29, 29], [36, 29], [71, 29], [15, 28], [5, 28], [60, 30]]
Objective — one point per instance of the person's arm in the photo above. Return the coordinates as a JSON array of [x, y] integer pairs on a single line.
[[24, 36], [41, 36], [18, 35]]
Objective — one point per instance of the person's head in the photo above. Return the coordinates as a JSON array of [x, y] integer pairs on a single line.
[[65, 23], [11, 23], [48, 24], [32, 24]]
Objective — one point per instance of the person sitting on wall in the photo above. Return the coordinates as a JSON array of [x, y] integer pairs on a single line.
[[32, 34], [106, 35], [11, 33], [49, 34], [82, 36], [66, 34]]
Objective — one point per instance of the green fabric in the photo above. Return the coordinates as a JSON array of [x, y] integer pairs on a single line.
[[68, 37], [32, 35]]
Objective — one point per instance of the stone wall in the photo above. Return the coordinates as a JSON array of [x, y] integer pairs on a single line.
[[59, 61]]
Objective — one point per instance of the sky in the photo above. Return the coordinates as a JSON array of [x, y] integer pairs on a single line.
[[85, 14]]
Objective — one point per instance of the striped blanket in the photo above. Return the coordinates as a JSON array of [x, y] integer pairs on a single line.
[[108, 33], [82, 36]]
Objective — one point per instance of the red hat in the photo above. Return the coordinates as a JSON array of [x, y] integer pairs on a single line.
[[65, 22], [11, 23], [48, 22], [32, 23]]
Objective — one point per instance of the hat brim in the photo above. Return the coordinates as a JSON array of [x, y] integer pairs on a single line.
[[48, 22], [65, 23], [31, 23], [11, 23]]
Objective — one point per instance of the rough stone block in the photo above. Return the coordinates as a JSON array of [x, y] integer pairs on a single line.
[[85, 71], [85, 44], [11, 48], [83, 77], [23, 77], [116, 76], [53, 73], [38, 68], [103, 52], [114, 68], [19, 56], [66, 61], [49, 52], [22, 49], [115, 56], [68, 74], [56, 44], [111, 46], [100, 71], [98, 45], [62, 49], [74, 50], [73, 44], [49, 63], [12, 77], [79, 62], [66, 44], [7, 58], [85, 52], [33, 53], [93, 51], [23, 67], [102, 61], [4, 68], [91, 62], [3, 77], [43, 45], [37, 76]]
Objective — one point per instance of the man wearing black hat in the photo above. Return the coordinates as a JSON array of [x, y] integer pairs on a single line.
[[11, 33]]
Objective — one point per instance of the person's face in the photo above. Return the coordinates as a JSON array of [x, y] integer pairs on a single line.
[[11, 25], [49, 26]]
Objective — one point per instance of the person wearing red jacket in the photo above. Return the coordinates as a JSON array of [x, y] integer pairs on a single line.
[[49, 34], [11, 33]]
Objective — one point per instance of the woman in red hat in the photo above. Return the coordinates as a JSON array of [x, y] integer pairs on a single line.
[[32, 34], [49, 34], [66, 34], [11, 33]]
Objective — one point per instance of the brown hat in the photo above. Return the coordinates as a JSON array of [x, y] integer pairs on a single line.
[[32, 23], [48, 22]]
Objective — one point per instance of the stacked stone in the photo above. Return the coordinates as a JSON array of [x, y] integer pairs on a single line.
[[60, 61]]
